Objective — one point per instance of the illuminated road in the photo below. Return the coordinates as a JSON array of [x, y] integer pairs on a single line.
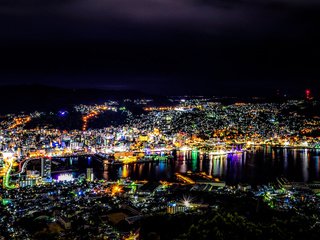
[[6, 177], [97, 111], [19, 122]]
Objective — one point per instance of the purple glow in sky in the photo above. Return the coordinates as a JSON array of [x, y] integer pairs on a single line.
[[155, 44]]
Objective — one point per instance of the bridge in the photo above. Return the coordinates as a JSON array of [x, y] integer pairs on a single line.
[[23, 164]]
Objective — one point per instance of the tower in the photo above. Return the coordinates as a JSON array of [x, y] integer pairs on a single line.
[[308, 94], [90, 176], [45, 168], [1, 160]]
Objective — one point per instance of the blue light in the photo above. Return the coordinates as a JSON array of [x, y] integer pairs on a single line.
[[63, 113]]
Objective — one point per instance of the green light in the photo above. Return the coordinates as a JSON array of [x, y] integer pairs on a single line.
[[194, 158], [6, 178], [6, 201]]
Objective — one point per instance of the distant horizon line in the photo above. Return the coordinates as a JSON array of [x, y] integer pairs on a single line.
[[146, 92]]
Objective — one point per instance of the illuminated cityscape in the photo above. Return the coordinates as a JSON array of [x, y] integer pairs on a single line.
[[159, 120], [188, 157]]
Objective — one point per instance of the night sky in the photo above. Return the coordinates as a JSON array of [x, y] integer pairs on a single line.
[[219, 47]]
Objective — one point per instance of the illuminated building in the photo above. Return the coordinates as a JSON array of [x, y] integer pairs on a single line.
[[1, 160], [27, 182], [90, 176], [31, 179], [143, 138], [65, 177], [46, 168], [174, 208], [75, 144]]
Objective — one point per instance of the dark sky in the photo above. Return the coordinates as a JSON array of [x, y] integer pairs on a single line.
[[233, 47]]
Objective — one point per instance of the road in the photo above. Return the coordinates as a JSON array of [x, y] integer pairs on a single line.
[[6, 177]]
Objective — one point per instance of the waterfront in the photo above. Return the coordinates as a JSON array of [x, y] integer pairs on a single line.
[[257, 166], [147, 120]]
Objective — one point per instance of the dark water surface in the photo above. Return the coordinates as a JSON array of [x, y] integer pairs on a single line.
[[259, 166]]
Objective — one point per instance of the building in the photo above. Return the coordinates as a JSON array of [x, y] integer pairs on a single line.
[[90, 176], [148, 189], [244, 187], [46, 168], [28, 182], [32, 178], [174, 208], [1, 161]]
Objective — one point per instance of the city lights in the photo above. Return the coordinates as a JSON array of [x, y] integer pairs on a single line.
[[159, 119], [65, 177], [144, 165]]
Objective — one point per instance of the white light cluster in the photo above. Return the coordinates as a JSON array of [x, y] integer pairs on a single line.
[[65, 177]]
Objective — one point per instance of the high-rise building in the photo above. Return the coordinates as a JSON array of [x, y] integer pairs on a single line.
[[90, 176], [1, 160], [46, 168]]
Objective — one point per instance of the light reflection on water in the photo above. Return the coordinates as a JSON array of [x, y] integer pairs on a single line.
[[260, 165]]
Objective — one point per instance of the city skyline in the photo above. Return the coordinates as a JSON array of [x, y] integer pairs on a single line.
[[159, 119]]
